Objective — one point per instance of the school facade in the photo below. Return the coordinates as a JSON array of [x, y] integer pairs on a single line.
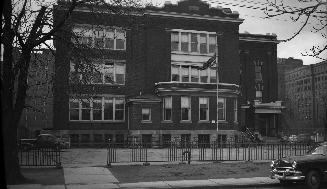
[[149, 85]]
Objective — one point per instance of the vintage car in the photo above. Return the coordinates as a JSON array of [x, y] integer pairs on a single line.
[[310, 168]]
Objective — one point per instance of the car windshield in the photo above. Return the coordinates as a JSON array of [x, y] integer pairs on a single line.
[[320, 150]]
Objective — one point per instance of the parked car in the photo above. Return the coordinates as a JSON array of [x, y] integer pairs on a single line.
[[304, 138], [44, 140], [26, 144], [292, 138], [310, 168]]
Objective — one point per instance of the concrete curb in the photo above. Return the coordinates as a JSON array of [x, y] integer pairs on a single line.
[[211, 183]]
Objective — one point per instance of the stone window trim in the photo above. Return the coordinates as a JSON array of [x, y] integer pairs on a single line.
[[184, 41], [103, 67], [90, 101], [199, 75], [92, 32]]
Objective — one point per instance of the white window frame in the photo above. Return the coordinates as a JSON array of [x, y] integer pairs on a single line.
[[190, 109], [104, 31], [179, 67], [164, 109], [150, 118], [90, 99], [208, 109], [223, 100], [101, 68], [180, 31]]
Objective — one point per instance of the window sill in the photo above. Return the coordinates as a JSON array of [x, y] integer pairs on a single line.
[[186, 121], [97, 121], [192, 53], [146, 121], [167, 121], [204, 121]]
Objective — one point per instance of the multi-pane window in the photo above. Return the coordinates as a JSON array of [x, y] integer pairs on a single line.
[[204, 109], [184, 42], [194, 74], [203, 43], [101, 37], [221, 109], [175, 73], [213, 76], [212, 43], [146, 114], [193, 41], [167, 108], [103, 72], [97, 109], [175, 41], [258, 79], [185, 73], [185, 108]]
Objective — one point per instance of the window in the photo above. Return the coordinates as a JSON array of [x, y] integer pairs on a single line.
[[235, 110], [175, 41], [86, 109], [97, 109], [102, 37], [185, 108], [213, 76], [103, 72], [167, 108], [73, 109], [193, 41], [174, 73], [221, 109], [146, 114], [119, 109], [185, 73], [203, 43], [204, 76], [194, 74], [120, 39], [184, 42], [109, 40], [212, 43], [204, 109]]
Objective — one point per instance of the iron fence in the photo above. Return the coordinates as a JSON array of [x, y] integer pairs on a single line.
[[40, 157], [215, 151]]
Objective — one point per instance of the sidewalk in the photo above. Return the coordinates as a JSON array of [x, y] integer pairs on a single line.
[[102, 178]]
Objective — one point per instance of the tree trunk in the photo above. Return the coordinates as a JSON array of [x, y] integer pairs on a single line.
[[12, 168]]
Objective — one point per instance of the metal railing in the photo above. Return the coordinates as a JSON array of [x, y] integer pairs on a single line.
[[179, 152], [40, 157]]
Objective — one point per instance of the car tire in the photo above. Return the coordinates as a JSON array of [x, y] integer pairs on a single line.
[[285, 182], [313, 180]]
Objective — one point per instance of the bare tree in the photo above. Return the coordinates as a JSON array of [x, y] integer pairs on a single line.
[[310, 14], [28, 25]]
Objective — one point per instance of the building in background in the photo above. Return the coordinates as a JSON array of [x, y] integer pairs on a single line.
[[149, 85], [284, 65], [38, 111], [306, 99], [261, 109]]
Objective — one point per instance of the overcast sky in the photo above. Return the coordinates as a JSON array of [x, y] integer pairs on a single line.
[[255, 23]]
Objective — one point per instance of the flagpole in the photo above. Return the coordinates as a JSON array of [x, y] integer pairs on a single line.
[[217, 82]]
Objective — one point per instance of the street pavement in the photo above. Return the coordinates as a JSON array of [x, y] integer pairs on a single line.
[[89, 173]]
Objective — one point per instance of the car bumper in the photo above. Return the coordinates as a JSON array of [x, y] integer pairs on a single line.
[[291, 175]]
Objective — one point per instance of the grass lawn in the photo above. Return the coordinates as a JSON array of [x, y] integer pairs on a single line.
[[45, 176], [140, 173]]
